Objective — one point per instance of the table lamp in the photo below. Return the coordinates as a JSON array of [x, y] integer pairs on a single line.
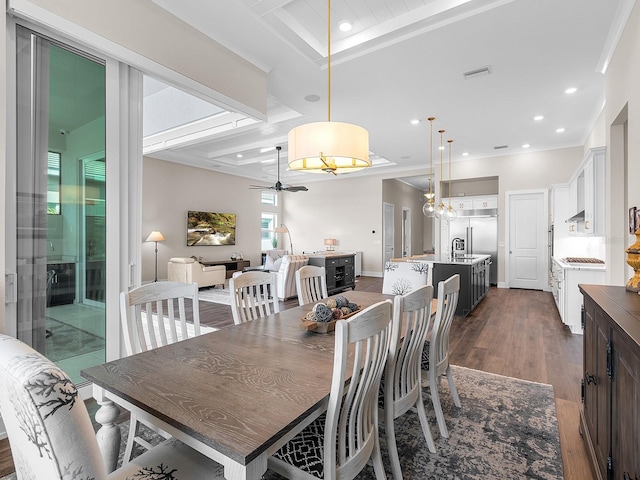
[[330, 243], [156, 237]]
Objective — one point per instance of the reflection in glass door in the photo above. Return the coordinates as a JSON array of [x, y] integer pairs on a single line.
[[60, 188]]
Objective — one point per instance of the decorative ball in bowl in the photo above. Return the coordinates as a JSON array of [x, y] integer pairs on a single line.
[[323, 316]]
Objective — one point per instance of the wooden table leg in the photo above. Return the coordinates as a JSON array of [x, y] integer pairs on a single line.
[[108, 435]]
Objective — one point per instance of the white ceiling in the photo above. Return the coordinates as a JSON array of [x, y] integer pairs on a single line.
[[404, 60]]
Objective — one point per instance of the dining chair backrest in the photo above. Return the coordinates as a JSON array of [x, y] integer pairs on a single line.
[[402, 389], [339, 444], [253, 295], [50, 432], [311, 284], [155, 315], [435, 360], [448, 292]]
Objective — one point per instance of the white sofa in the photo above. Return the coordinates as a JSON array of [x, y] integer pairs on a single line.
[[286, 275], [189, 270]]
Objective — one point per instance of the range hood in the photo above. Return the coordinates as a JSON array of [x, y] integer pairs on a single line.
[[578, 217]]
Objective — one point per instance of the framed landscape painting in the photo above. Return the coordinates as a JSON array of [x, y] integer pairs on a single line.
[[210, 229]]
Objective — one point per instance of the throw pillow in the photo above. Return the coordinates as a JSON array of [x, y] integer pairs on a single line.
[[269, 262], [276, 264]]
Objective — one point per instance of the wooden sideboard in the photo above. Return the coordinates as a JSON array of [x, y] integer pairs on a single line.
[[610, 417], [340, 270], [231, 265]]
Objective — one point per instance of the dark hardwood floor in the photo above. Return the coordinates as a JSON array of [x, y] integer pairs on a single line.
[[517, 333]]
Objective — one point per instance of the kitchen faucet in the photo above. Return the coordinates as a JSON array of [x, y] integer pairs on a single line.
[[456, 244]]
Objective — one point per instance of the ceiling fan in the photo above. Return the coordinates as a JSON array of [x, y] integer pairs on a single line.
[[278, 187]]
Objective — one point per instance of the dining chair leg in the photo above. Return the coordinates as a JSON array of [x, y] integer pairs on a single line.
[[422, 414], [134, 427], [376, 458], [392, 446], [437, 406], [452, 387]]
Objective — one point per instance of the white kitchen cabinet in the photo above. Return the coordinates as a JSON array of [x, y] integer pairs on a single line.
[[594, 172], [460, 203], [586, 194], [473, 203], [566, 293], [480, 203]]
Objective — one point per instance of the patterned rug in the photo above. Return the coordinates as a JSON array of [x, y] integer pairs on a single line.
[[506, 429]]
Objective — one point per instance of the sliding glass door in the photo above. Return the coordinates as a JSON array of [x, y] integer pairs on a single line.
[[60, 201]]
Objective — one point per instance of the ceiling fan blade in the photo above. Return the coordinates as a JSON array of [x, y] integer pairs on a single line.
[[301, 188], [260, 187]]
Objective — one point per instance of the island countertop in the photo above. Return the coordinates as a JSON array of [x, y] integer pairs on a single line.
[[444, 259]]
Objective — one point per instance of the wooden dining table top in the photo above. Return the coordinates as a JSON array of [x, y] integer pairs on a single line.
[[237, 390]]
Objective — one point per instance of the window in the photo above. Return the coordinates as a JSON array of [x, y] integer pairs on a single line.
[[270, 198], [269, 222]]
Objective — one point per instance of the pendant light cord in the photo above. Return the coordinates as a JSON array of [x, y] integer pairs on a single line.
[[441, 149], [450, 142], [328, 60], [431, 119]]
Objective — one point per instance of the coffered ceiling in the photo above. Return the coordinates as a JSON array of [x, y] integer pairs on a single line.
[[402, 60]]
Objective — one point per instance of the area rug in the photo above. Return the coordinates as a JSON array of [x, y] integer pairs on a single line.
[[215, 295], [506, 429]]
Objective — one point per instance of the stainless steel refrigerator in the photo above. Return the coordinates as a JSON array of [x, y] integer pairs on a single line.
[[480, 235]]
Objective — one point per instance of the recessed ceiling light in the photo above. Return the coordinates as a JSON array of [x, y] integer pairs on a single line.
[[559, 130], [441, 148], [239, 155], [345, 26], [415, 121], [571, 90], [312, 98], [537, 118], [526, 145], [465, 154], [267, 149]]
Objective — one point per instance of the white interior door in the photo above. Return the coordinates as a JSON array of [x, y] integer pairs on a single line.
[[389, 233], [406, 232], [526, 241]]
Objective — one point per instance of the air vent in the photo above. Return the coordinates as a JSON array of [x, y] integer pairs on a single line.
[[500, 147], [477, 72]]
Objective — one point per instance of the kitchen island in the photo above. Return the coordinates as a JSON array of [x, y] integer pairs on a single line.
[[474, 276]]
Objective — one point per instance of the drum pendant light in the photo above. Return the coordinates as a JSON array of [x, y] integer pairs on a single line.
[[331, 147]]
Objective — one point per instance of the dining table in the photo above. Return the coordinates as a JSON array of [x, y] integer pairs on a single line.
[[236, 395]]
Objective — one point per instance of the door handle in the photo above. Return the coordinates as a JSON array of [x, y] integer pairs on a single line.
[[10, 287], [586, 225]]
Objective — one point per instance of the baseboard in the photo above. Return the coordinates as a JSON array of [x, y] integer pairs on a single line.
[[372, 274]]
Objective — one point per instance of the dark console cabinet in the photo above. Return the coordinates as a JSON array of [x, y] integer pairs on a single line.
[[340, 271], [61, 282], [610, 417]]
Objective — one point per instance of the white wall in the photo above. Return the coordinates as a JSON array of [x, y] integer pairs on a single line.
[[622, 99], [169, 190], [140, 31]]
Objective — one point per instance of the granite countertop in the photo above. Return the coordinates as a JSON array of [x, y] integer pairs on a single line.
[[463, 260]]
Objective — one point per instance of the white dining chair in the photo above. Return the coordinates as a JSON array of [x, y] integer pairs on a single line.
[[402, 386], [152, 316], [435, 355], [311, 284], [338, 444], [51, 434], [253, 295]]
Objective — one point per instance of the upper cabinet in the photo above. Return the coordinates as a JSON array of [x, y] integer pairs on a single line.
[[473, 203], [586, 193]]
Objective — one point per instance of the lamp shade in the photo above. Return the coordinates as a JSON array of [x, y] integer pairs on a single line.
[[155, 236], [281, 229], [330, 241], [332, 147]]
